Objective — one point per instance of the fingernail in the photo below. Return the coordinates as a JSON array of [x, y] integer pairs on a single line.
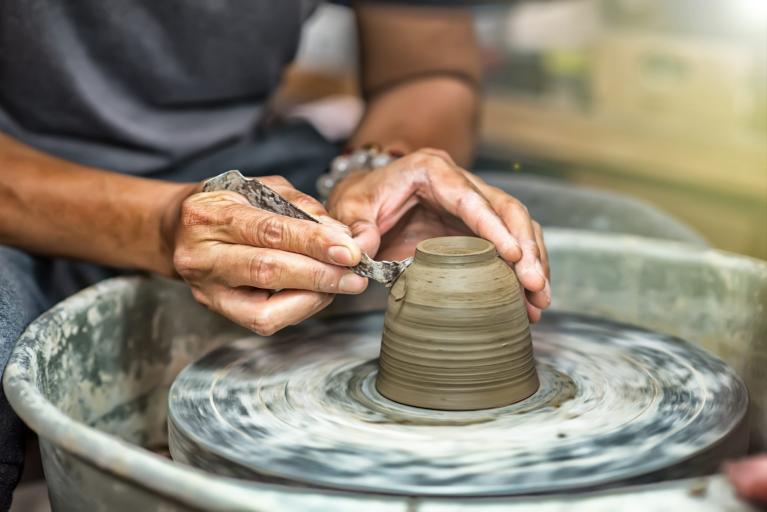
[[340, 255], [351, 283]]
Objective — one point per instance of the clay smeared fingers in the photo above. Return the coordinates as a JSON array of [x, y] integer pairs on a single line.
[[266, 313], [251, 226], [270, 269]]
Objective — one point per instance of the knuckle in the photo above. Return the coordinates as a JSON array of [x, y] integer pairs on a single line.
[[520, 208], [320, 279], [460, 204], [349, 205], [436, 162], [515, 208], [264, 271], [229, 214], [195, 213], [495, 191], [428, 159], [531, 248], [262, 324], [469, 203], [309, 204], [270, 232], [185, 263], [200, 297], [436, 152]]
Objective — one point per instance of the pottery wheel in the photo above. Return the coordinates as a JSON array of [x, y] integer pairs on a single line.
[[616, 404]]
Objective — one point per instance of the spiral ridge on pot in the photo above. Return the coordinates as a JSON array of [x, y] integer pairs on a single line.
[[456, 334]]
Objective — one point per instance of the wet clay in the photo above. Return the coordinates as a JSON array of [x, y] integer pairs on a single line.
[[456, 334]]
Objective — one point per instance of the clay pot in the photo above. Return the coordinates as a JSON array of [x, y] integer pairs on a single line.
[[456, 334]]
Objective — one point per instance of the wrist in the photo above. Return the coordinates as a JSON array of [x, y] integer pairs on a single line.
[[355, 161], [167, 217]]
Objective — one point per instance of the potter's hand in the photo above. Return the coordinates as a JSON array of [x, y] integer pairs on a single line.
[[233, 255], [425, 194], [749, 476]]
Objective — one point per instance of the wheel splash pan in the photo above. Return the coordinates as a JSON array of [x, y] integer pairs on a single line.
[[91, 377]]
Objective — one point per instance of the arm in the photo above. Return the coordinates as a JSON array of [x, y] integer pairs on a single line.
[[54, 207], [230, 253], [420, 75]]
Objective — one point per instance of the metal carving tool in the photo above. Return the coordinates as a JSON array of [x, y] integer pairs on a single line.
[[263, 197]]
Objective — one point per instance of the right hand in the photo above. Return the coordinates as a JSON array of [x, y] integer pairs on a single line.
[[233, 256]]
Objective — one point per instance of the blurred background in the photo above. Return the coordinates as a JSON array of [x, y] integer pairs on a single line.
[[664, 101]]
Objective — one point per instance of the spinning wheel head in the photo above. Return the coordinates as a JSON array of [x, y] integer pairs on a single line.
[[615, 405]]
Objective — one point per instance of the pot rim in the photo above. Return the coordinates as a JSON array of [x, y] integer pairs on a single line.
[[453, 250]]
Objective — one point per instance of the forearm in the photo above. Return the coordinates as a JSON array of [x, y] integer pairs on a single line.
[[420, 72], [54, 207], [439, 112]]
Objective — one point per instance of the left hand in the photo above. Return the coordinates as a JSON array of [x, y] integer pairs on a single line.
[[425, 194], [749, 476]]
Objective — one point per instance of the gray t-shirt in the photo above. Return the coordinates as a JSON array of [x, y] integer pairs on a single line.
[[139, 86]]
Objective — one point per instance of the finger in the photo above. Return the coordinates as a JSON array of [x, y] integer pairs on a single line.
[[270, 269], [749, 477], [541, 299], [462, 199], [367, 235], [266, 314], [544, 253], [360, 215], [241, 224], [529, 268], [533, 313], [311, 206], [440, 153], [493, 195], [515, 215]]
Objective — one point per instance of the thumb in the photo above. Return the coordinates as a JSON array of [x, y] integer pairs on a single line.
[[367, 235]]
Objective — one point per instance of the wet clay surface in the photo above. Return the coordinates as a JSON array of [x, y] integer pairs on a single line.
[[456, 334], [615, 405]]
